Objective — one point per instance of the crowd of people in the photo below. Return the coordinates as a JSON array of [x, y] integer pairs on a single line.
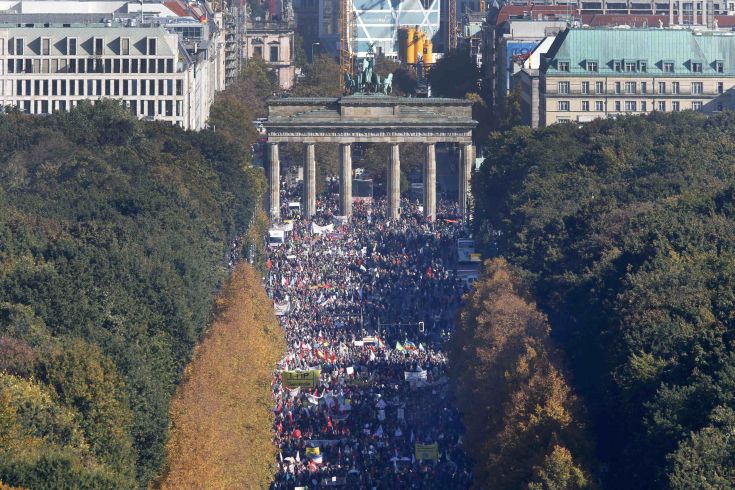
[[361, 400]]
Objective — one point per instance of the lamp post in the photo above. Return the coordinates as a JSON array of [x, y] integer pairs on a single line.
[[312, 50]]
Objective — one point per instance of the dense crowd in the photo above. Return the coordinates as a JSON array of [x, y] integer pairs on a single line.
[[361, 399]]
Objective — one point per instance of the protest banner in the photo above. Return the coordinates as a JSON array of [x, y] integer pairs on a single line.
[[427, 451], [312, 451], [306, 379], [415, 375]]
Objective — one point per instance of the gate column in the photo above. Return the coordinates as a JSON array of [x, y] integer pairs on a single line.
[[345, 179], [430, 182], [394, 182]]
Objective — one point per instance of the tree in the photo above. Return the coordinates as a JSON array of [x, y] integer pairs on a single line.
[[454, 75], [321, 79], [512, 391]]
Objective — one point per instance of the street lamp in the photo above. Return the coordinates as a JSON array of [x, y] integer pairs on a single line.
[[312, 50]]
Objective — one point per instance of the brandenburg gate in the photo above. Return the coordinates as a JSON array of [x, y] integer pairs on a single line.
[[369, 119]]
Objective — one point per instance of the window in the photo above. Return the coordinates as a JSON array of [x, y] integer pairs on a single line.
[[629, 66], [45, 46], [273, 53], [644, 106], [668, 66], [19, 46], [599, 106], [719, 107], [563, 87], [631, 106], [662, 106], [616, 65], [617, 87], [720, 87], [585, 87], [599, 87], [617, 106], [562, 65], [563, 105], [71, 46], [719, 67], [258, 51], [696, 105], [586, 105], [675, 106], [591, 66], [696, 67], [644, 88], [630, 87], [674, 87], [697, 88], [125, 46], [662, 87], [643, 66], [98, 45], [151, 46]]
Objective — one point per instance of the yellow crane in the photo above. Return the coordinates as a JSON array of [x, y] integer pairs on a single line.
[[347, 40]]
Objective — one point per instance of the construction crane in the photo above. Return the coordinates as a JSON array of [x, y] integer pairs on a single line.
[[452, 24], [347, 40]]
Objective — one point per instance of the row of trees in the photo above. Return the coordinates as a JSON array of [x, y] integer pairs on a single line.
[[524, 425], [222, 419], [113, 233], [625, 231]]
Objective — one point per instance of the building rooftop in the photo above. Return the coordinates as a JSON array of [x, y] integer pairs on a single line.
[[650, 49]]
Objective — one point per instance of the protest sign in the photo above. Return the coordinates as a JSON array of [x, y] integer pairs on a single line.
[[427, 451], [414, 375], [307, 379]]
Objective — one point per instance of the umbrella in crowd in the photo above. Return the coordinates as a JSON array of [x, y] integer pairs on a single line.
[[361, 399]]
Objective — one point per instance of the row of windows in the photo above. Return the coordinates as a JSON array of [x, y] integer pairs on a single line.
[[97, 87], [641, 66], [90, 65], [696, 88], [149, 108], [629, 106], [17, 46], [258, 50]]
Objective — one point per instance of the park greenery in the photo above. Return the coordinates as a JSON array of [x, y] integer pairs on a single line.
[[113, 238], [524, 425], [623, 231], [221, 417]]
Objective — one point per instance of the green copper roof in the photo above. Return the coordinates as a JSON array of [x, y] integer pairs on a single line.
[[652, 46]]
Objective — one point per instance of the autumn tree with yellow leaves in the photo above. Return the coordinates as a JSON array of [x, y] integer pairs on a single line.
[[221, 417], [524, 423]]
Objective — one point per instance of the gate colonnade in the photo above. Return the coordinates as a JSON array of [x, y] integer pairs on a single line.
[[369, 119]]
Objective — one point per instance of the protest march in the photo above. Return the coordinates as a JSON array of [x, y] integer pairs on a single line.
[[361, 399]]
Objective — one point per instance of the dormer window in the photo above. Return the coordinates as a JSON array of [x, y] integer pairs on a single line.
[[696, 67], [592, 65], [562, 65], [617, 65], [668, 66], [720, 66], [98, 46], [629, 66], [642, 66]]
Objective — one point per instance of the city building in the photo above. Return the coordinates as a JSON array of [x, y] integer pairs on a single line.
[[306, 15], [274, 43], [377, 23], [591, 73], [44, 69], [164, 61]]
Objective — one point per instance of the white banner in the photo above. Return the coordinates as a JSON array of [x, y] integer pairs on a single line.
[[320, 230], [282, 307], [415, 376]]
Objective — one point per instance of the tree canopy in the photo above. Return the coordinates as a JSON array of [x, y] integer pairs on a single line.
[[113, 233], [624, 229]]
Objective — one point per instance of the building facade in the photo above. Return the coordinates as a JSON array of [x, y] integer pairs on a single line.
[[274, 43], [48, 69], [594, 73]]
